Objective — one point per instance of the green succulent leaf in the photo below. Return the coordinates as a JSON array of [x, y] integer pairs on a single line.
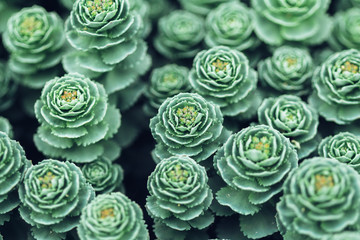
[[179, 195], [166, 81], [254, 164], [230, 24], [222, 75], [345, 32], [179, 35], [336, 94], [288, 71], [320, 199], [294, 119], [35, 40], [112, 215], [75, 118], [51, 194], [103, 176], [187, 124], [279, 21]]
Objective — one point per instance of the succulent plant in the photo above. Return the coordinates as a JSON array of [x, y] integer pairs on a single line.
[[320, 199], [287, 71], [52, 195], [254, 164], [103, 176], [7, 88], [201, 7], [76, 120], [187, 124], [294, 119], [230, 24], [13, 164], [179, 35], [106, 36], [344, 147], [112, 216], [165, 81], [280, 21], [35, 40], [345, 33], [179, 196], [336, 94], [222, 75]]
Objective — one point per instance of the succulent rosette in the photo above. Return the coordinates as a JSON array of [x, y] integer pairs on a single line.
[[200, 7], [180, 34], [52, 195], [142, 7], [287, 71], [6, 127], [103, 175], [320, 199], [13, 164], [76, 120], [294, 119], [301, 21], [344, 147], [345, 33], [7, 87], [165, 81], [336, 93], [222, 75], [187, 124], [35, 40], [112, 216], [104, 33], [254, 164], [179, 195], [230, 24]]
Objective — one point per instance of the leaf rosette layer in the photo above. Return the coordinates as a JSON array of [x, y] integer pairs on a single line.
[[103, 176], [112, 216], [179, 194], [321, 198], [187, 124], [288, 71], [336, 84], [254, 163], [345, 33], [52, 196], [7, 88], [180, 34], [222, 75], [294, 119], [200, 7], [104, 33], [280, 21], [76, 120], [344, 147], [34, 39], [166, 81], [13, 164], [230, 24]]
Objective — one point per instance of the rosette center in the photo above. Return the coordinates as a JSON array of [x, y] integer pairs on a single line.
[[46, 180], [69, 95], [30, 25], [220, 65], [107, 212], [178, 174], [323, 181], [187, 115], [258, 147], [96, 7]]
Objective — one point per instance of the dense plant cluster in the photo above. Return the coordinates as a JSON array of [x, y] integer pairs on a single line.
[[180, 119]]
